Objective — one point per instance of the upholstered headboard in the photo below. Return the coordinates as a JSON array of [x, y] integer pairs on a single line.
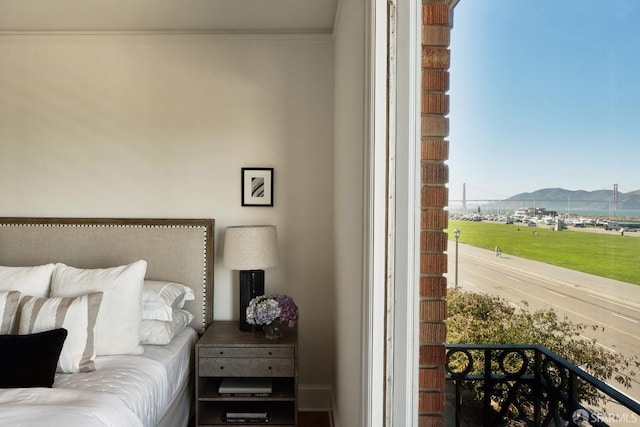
[[178, 250]]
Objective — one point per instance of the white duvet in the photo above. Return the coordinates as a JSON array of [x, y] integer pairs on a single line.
[[45, 407], [123, 391]]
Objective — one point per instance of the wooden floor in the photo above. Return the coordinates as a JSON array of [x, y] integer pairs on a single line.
[[313, 419]]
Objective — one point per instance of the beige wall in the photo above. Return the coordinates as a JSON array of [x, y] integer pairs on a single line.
[[159, 125], [349, 210]]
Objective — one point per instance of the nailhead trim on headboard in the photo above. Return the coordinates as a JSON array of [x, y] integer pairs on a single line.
[[205, 225]]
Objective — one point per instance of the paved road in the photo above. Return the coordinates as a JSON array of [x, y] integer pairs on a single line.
[[612, 305]]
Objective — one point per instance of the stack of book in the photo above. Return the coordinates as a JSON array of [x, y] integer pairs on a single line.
[[246, 387], [246, 417]]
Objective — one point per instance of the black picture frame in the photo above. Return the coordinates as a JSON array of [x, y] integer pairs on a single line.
[[257, 187]]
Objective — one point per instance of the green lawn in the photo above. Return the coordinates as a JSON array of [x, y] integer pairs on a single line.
[[607, 255]]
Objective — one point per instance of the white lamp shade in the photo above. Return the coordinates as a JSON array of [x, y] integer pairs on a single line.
[[251, 247]]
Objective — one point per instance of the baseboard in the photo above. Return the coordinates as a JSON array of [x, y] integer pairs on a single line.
[[333, 415], [314, 397]]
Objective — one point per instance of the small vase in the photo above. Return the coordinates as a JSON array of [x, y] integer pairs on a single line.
[[274, 330]]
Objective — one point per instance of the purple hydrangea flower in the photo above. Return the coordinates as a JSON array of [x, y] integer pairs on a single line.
[[288, 309], [263, 310]]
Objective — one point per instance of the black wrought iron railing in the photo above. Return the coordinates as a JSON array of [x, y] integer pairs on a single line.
[[532, 386]]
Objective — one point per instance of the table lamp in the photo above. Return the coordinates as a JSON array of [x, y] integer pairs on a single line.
[[250, 249]]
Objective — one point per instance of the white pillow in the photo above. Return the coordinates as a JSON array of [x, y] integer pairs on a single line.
[[75, 314], [159, 332], [28, 280], [118, 325], [155, 310], [160, 298], [8, 305]]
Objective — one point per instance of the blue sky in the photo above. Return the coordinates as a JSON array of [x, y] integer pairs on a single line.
[[544, 93]]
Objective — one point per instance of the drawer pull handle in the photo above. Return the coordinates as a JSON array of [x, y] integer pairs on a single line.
[[270, 353]]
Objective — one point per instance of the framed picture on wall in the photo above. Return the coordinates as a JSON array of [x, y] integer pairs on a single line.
[[257, 187]]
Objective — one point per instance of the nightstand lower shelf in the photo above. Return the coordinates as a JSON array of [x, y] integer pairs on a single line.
[[283, 389], [214, 413]]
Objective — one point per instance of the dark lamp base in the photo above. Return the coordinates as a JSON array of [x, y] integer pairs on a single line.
[[251, 286]]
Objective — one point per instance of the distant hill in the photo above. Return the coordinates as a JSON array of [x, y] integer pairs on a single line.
[[561, 199]]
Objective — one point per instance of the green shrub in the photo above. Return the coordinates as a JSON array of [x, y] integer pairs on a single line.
[[475, 318]]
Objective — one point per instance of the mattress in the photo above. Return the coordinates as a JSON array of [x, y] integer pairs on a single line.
[[129, 386], [177, 357]]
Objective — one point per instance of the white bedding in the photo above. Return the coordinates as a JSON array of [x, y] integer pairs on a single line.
[[123, 391], [26, 407]]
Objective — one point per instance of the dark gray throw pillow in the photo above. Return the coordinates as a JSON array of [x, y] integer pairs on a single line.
[[30, 360]]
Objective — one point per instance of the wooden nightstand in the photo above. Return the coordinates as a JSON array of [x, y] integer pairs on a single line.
[[225, 352]]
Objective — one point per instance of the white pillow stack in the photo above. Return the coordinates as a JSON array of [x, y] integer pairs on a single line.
[[159, 298], [106, 311], [160, 332], [162, 314]]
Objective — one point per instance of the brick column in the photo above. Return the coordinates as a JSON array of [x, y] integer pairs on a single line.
[[436, 30]]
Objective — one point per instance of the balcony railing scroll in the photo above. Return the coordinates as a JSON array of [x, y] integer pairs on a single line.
[[531, 386]]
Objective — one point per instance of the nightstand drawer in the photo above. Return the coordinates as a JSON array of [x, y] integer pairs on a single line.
[[246, 352], [245, 367]]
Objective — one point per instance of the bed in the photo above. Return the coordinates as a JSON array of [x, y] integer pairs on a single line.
[[100, 272]]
